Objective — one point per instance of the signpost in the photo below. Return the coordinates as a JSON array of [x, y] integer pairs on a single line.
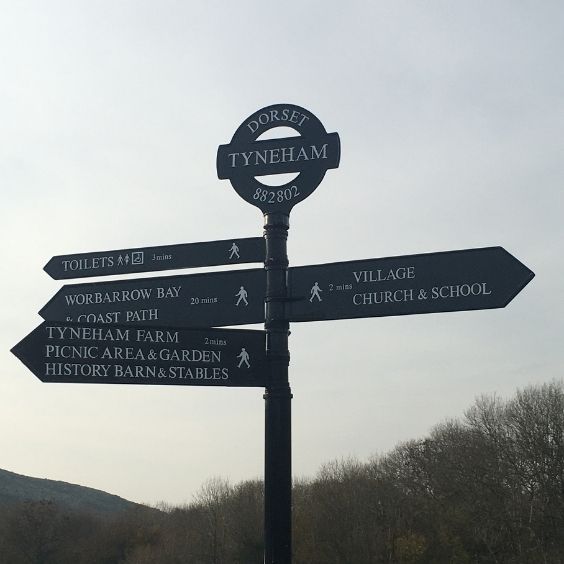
[[310, 155], [94, 354], [213, 299], [138, 331], [150, 259], [426, 283]]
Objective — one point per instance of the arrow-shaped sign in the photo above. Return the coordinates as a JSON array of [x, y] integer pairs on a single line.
[[150, 259], [213, 299], [426, 283], [113, 354]]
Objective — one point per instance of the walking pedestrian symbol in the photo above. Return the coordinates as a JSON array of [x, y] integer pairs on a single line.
[[243, 357], [242, 295], [234, 251], [315, 289]]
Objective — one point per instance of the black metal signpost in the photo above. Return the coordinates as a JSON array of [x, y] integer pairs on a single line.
[[311, 154], [151, 259], [120, 354], [142, 331]]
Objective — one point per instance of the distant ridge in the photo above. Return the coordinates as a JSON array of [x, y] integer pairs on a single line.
[[16, 488]]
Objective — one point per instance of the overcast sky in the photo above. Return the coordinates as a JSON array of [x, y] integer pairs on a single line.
[[451, 122]]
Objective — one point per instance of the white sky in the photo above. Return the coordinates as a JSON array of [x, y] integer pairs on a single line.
[[451, 123]]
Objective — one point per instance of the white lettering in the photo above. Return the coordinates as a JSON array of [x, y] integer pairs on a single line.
[[460, 290]]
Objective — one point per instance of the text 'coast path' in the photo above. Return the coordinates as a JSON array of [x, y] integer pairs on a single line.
[[213, 299]]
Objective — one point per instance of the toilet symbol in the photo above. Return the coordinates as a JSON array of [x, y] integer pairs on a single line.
[[244, 358], [242, 295], [234, 251], [315, 289]]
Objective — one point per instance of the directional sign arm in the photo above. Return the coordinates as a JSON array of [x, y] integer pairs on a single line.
[[120, 354], [427, 283], [213, 299], [151, 259]]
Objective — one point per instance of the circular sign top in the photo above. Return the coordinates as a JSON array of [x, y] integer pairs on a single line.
[[310, 155]]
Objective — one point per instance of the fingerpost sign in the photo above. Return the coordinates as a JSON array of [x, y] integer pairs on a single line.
[[463, 280], [309, 155], [124, 354], [152, 259], [212, 299], [163, 330]]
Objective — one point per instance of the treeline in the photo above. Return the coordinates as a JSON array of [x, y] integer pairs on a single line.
[[488, 488]]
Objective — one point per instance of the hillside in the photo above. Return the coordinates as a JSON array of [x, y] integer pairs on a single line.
[[15, 488]]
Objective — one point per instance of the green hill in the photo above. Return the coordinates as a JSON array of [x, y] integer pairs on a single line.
[[15, 488]]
